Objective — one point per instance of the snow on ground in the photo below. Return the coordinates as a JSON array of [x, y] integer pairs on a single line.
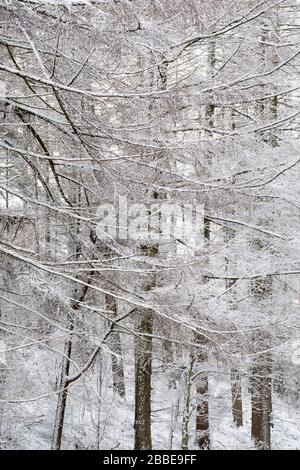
[[31, 423]]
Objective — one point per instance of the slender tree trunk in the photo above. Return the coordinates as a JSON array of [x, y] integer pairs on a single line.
[[62, 397], [168, 357], [266, 394], [99, 391], [261, 376], [236, 397], [64, 375], [143, 371], [187, 402], [202, 438], [235, 376], [143, 366], [261, 402], [174, 418], [116, 348], [202, 409], [256, 406]]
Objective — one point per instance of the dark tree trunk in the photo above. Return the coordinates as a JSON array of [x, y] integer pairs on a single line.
[[235, 376], [63, 394], [202, 438], [186, 409], [261, 374], [236, 396], [261, 402], [202, 410], [143, 370], [143, 366], [116, 348]]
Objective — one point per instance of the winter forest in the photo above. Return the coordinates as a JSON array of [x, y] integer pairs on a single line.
[[149, 224]]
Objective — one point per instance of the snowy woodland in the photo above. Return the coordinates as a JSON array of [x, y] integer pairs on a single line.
[[184, 342]]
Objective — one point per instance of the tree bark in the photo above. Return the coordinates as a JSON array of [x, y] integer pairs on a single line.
[[236, 397], [235, 376], [62, 397], [261, 402], [202, 409], [116, 348], [143, 367], [186, 409], [143, 371]]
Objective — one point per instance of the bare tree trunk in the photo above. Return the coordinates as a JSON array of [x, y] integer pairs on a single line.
[[202, 438], [116, 348], [256, 406], [64, 376], [187, 401], [99, 391], [261, 377], [266, 399], [168, 357], [62, 396], [143, 371], [143, 366], [174, 418], [235, 377], [202, 415], [236, 397], [261, 402]]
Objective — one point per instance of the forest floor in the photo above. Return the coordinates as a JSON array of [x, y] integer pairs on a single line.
[[31, 423]]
